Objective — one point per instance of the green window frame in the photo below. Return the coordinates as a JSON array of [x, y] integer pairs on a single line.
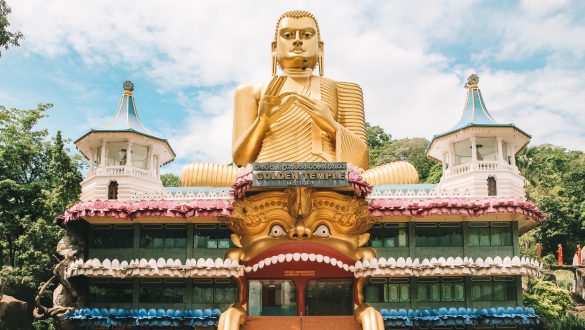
[[446, 289], [490, 234], [449, 234], [391, 290], [111, 237], [211, 236], [163, 236], [389, 235], [110, 291], [497, 288], [169, 291], [214, 292]]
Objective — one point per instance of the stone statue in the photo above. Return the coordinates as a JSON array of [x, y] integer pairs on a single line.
[[298, 116]]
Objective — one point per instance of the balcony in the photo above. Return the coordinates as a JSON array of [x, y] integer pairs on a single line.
[[481, 166], [119, 171]]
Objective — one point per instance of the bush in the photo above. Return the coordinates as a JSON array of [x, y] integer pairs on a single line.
[[571, 322], [548, 300]]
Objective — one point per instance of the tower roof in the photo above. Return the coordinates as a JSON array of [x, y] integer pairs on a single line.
[[127, 120], [475, 113]]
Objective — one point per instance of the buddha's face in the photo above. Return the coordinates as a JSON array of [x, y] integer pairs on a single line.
[[297, 43]]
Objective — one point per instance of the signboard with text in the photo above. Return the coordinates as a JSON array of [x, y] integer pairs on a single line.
[[314, 174]]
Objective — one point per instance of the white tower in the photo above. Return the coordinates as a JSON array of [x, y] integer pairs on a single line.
[[478, 154], [124, 157]]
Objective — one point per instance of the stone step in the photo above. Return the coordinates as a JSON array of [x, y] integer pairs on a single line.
[[300, 323]]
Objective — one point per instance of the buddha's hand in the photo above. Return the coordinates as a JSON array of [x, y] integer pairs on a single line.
[[368, 317], [319, 110], [232, 318], [271, 101]]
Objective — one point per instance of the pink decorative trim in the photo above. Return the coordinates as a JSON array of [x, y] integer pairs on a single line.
[[144, 209], [462, 206]]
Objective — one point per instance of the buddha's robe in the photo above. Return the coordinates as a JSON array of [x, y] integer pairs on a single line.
[[294, 137]]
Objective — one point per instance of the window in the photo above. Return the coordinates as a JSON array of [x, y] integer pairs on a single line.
[[113, 190], [163, 236], [162, 291], [486, 149], [110, 291], [497, 288], [117, 154], [139, 156], [111, 236], [98, 157], [214, 292], [490, 234], [446, 289], [462, 152], [492, 186], [392, 290], [389, 235], [211, 236], [439, 234]]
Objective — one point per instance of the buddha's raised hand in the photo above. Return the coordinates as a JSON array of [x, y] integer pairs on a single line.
[[320, 111], [271, 100]]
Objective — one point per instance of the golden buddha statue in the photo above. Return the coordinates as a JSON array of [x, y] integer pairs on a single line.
[[298, 116]]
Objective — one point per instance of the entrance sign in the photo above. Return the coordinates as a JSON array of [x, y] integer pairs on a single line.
[[306, 174]]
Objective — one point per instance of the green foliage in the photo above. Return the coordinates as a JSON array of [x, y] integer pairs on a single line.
[[7, 38], [38, 181], [548, 300], [170, 180], [383, 149], [556, 183], [571, 322]]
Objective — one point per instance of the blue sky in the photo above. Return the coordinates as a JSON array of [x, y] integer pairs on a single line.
[[410, 57]]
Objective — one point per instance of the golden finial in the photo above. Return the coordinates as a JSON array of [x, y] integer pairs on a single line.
[[128, 87], [472, 81]]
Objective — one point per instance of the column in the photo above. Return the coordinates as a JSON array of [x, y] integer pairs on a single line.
[[129, 153], [444, 162], [103, 160], [148, 159], [91, 160], [500, 150], [474, 153], [451, 157], [513, 155]]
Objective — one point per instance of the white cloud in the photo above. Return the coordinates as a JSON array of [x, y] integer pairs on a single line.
[[390, 48]]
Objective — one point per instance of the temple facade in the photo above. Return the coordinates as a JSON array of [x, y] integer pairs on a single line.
[[150, 250], [299, 244]]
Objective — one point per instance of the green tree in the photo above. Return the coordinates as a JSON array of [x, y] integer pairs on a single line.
[[38, 181], [555, 181], [170, 180], [377, 139], [413, 150], [7, 38]]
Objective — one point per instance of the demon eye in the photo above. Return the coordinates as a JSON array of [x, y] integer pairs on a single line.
[[322, 231], [277, 231]]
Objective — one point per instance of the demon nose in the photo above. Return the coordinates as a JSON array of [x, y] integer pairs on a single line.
[[299, 232]]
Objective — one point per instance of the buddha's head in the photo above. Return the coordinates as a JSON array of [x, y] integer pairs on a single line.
[[297, 42], [300, 220]]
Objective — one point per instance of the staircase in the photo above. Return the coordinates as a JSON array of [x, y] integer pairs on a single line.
[[300, 323]]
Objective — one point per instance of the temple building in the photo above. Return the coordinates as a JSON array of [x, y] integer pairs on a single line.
[[298, 240]]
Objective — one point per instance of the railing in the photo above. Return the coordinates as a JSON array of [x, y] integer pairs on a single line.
[[115, 170], [119, 170], [481, 166]]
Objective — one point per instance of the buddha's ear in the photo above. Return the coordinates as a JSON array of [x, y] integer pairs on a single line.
[[236, 240], [321, 48], [363, 239], [273, 45]]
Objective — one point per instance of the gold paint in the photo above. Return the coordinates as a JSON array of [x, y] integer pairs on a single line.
[[368, 317], [299, 211], [400, 172], [297, 116], [208, 175]]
